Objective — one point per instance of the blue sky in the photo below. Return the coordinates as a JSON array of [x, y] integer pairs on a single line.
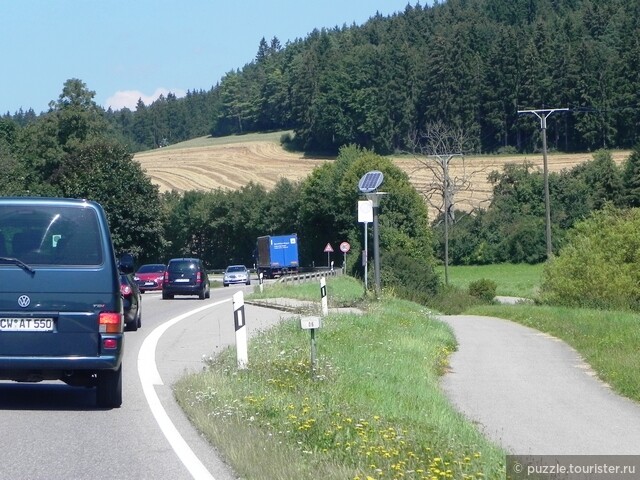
[[125, 50]]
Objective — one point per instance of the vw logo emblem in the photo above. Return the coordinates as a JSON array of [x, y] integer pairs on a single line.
[[24, 301]]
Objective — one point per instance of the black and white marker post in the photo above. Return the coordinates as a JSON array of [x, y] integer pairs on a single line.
[[241, 330], [261, 281], [323, 295], [313, 323]]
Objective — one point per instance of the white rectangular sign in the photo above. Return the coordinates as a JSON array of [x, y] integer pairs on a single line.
[[365, 211], [307, 323]]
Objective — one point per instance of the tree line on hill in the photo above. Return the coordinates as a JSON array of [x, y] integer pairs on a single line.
[[471, 64], [73, 151]]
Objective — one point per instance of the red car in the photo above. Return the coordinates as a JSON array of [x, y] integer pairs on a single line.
[[149, 276]]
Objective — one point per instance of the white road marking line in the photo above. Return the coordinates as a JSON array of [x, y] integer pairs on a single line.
[[149, 377]]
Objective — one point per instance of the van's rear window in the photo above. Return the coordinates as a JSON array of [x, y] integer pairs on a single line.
[[50, 235]]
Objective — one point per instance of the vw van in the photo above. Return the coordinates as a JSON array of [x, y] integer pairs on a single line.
[[61, 313]]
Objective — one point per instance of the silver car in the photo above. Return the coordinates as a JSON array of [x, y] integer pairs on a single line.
[[236, 274]]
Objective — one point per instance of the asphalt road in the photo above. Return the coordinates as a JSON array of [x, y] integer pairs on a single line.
[[51, 431], [533, 394]]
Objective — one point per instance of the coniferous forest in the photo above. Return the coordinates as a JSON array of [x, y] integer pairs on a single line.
[[471, 64]]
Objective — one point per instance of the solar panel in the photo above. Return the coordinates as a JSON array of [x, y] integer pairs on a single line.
[[370, 181]]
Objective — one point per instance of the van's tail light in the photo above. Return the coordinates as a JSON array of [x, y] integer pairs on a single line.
[[198, 277], [165, 278], [110, 322], [125, 290]]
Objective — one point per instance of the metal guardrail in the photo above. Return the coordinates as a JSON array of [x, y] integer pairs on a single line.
[[306, 277]]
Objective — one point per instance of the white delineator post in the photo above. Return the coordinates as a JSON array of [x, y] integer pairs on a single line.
[[261, 281], [241, 330], [323, 295]]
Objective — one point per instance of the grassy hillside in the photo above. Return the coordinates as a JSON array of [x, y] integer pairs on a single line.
[[209, 141]]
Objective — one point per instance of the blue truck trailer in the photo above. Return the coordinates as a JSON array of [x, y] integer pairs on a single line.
[[277, 255]]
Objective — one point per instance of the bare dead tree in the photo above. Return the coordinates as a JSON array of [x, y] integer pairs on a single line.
[[434, 149]]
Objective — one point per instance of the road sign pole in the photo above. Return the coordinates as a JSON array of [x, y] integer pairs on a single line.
[[312, 323], [344, 248], [365, 256], [376, 250], [313, 353], [328, 249]]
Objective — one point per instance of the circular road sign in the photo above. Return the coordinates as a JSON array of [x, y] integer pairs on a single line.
[[345, 247]]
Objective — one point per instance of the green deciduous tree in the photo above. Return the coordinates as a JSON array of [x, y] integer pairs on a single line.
[[329, 200], [14, 174], [78, 117], [602, 178], [105, 172], [597, 267]]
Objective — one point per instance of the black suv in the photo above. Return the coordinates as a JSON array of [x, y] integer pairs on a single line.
[[185, 276]]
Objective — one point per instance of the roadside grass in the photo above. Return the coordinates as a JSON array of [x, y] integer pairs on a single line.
[[607, 340], [373, 409], [342, 291], [513, 280]]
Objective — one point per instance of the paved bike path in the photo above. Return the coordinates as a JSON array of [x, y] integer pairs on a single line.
[[533, 395]]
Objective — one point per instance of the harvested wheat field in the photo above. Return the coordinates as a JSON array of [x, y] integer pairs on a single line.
[[232, 162]]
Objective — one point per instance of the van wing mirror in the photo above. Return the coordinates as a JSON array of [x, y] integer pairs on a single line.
[[125, 264]]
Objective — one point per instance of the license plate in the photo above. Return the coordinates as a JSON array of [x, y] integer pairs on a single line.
[[181, 280], [26, 324], [148, 284]]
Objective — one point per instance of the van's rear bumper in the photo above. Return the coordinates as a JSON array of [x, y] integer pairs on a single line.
[[183, 289], [33, 369]]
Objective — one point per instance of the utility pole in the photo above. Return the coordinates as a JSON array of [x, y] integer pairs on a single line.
[[542, 115]]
